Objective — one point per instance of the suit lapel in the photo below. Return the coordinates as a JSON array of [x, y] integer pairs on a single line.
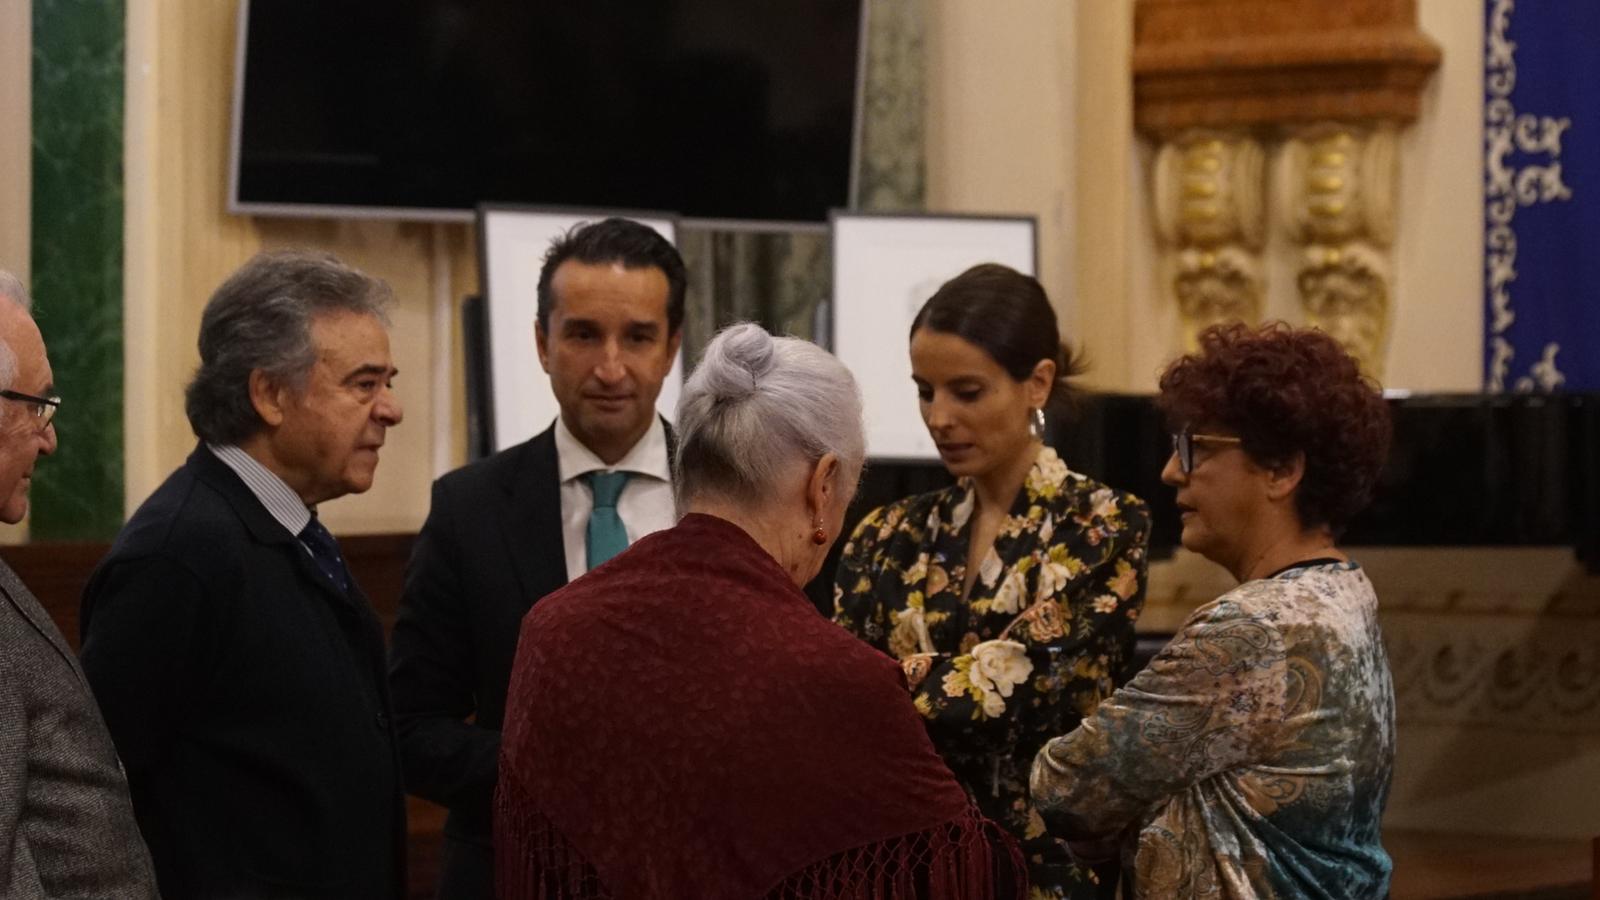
[[530, 519], [260, 523], [18, 595]]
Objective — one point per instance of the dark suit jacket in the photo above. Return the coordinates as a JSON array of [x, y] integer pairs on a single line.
[[246, 695], [66, 826], [490, 548]]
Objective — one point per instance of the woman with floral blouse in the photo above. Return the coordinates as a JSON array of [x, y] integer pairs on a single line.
[[1010, 597], [1251, 758]]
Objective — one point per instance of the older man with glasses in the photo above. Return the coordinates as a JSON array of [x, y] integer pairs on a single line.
[[66, 825]]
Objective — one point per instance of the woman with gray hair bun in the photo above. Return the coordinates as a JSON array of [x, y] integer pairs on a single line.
[[756, 411], [681, 721]]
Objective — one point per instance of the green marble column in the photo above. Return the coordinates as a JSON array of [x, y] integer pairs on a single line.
[[77, 259]]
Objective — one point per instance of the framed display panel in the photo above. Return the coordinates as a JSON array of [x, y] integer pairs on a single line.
[[512, 242], [885, 267]]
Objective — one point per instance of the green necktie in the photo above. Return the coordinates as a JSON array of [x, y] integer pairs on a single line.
[[605, 537]]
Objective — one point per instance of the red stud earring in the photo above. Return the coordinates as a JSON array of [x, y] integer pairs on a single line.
[[819, 537]]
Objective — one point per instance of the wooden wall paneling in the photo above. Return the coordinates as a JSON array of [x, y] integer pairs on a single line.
[[57, 573]]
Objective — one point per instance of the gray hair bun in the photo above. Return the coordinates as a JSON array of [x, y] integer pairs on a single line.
[[735, 362], [756, 408]]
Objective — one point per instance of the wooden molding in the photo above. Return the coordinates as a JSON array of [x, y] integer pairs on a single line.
[[1248, 63], [57, 572]]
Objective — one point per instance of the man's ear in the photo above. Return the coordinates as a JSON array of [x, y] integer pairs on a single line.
[[268, 398], [1284, 478], [674, 341], [541, 342]]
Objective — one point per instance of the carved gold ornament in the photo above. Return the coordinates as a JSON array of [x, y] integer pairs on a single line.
[[1210, 214], [1337, 185]]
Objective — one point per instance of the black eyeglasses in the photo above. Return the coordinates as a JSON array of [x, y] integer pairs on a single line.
[[43, 408], [1183, 445]]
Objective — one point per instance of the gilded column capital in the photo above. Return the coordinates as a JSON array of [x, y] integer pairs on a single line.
[[1328, 85], [1336, 183], [1210, 213]]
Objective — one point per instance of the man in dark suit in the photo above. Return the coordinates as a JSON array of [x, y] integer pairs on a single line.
[[66, 826], [239, 666], [505, 531]]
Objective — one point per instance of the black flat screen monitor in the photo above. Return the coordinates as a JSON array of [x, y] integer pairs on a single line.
[[422, 109]]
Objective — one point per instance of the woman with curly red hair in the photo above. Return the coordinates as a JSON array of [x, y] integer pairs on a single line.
[[1252, 757]]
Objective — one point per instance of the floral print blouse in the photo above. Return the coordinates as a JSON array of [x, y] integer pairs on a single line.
[[1251, 758], [1046, 633]]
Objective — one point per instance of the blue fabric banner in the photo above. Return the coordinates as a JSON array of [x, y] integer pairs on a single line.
[[1542, 193]]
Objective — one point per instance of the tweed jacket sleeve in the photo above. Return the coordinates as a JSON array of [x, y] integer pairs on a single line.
[[67, 828]]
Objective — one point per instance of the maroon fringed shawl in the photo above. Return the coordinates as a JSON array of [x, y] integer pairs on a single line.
[[682, 723]]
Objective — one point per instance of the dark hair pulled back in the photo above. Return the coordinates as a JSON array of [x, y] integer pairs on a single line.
[[1007, 315]]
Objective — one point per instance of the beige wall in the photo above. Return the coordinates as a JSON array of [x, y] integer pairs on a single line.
[[1030, 111], [1437, 343], [999, 106], [15, 135], [181, 243], [1106, 223], [16, 157]]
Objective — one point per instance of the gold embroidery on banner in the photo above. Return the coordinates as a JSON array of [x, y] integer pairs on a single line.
[[1507, 189]]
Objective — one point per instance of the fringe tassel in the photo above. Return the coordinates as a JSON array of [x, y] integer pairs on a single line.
[[532, 860], [967, 858]]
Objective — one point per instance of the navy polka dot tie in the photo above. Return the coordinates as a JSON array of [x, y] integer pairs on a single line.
[[325, 551]]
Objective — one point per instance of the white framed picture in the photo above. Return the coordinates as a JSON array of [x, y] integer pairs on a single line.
[[885, 267], [512, 242]]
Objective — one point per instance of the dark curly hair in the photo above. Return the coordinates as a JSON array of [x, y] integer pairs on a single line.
[[1284, 391]]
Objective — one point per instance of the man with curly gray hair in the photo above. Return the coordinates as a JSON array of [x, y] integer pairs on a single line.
[[239, 665]]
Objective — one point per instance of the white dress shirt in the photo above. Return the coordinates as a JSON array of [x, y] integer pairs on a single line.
[[645, 505]]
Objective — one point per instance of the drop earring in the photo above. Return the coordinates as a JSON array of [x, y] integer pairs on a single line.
[[1036, 423]]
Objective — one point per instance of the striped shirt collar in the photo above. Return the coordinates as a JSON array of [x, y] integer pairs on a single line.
[[281, 502]]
